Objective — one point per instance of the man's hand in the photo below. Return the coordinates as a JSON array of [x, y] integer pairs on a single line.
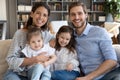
[[82, 78]]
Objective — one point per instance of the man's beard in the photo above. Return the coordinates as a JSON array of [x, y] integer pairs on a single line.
[[79, 26]]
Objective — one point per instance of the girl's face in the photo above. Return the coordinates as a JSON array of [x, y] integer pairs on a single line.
[[40, 16], [36, 42], [64, 38]]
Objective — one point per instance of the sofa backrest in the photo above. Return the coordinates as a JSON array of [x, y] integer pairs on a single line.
[[57, 24], [4, 46]]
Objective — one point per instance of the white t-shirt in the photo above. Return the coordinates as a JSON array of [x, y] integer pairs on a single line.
[[28, 52]]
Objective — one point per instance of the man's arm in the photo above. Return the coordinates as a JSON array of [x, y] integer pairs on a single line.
[[103, 68]]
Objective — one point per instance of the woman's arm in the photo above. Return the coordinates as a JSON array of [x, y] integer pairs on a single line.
[[40, 58], [14, 59]]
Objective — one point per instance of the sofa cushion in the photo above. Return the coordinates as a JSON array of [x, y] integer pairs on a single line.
[[117, 50], [4, 46]]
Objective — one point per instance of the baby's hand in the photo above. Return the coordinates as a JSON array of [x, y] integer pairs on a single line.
[[40, 57], [45, 64], [41, 63], [69, 67]]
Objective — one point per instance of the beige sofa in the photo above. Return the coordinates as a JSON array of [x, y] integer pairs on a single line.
[[5, 44]]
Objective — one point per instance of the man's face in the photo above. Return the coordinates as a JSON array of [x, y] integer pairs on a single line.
[[77, 16]]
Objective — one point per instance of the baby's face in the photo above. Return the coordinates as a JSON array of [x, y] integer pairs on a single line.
[[36, 42]]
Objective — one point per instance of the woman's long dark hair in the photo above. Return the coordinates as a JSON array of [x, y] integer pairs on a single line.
[[71, 44], [35, 6]]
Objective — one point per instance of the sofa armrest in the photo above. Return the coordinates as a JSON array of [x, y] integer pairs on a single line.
[[4, 47]]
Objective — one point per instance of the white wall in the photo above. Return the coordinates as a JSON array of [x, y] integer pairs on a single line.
[[3, 10]]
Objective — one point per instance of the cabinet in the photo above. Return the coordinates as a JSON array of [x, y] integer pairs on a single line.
[[96, 15], [56, 7], [59, 10], [22, 11], [3, 30]]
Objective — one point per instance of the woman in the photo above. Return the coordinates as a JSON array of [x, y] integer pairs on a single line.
[[39, 17]]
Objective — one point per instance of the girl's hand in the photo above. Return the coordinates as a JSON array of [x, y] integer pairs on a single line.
[[40, 63], [69, 67], [52, 43]]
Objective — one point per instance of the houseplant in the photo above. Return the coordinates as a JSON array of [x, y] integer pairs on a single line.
[[110, 7]]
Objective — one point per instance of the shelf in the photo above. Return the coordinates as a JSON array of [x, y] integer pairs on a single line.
[[2, 21], [3, 29], [23, 12], [59, 10], [96, 21], [96, 15], [95, 12], [24, 2], [98, 2]]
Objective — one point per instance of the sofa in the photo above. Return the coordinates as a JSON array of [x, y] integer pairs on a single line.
[[5, 44]]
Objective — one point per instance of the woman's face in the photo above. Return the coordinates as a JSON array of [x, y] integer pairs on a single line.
[[40, 16]]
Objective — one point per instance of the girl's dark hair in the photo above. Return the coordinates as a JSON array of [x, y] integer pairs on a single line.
[[35, 6], [71, 44], [74, 4], [33, 31]]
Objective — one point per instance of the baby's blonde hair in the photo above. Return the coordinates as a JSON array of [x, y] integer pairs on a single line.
[[33, 31]]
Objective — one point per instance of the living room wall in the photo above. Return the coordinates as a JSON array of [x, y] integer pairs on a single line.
[[3, 10]]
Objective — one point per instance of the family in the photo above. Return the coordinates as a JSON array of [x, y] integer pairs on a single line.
[[80, 51]]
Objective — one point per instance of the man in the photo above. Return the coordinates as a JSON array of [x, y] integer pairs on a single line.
[[94, 47]]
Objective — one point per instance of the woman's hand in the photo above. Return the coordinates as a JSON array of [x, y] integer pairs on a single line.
[[41, 57], [37, 59]]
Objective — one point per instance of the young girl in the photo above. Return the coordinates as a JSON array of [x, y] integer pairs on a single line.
[[34, 47], [66, 65]]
